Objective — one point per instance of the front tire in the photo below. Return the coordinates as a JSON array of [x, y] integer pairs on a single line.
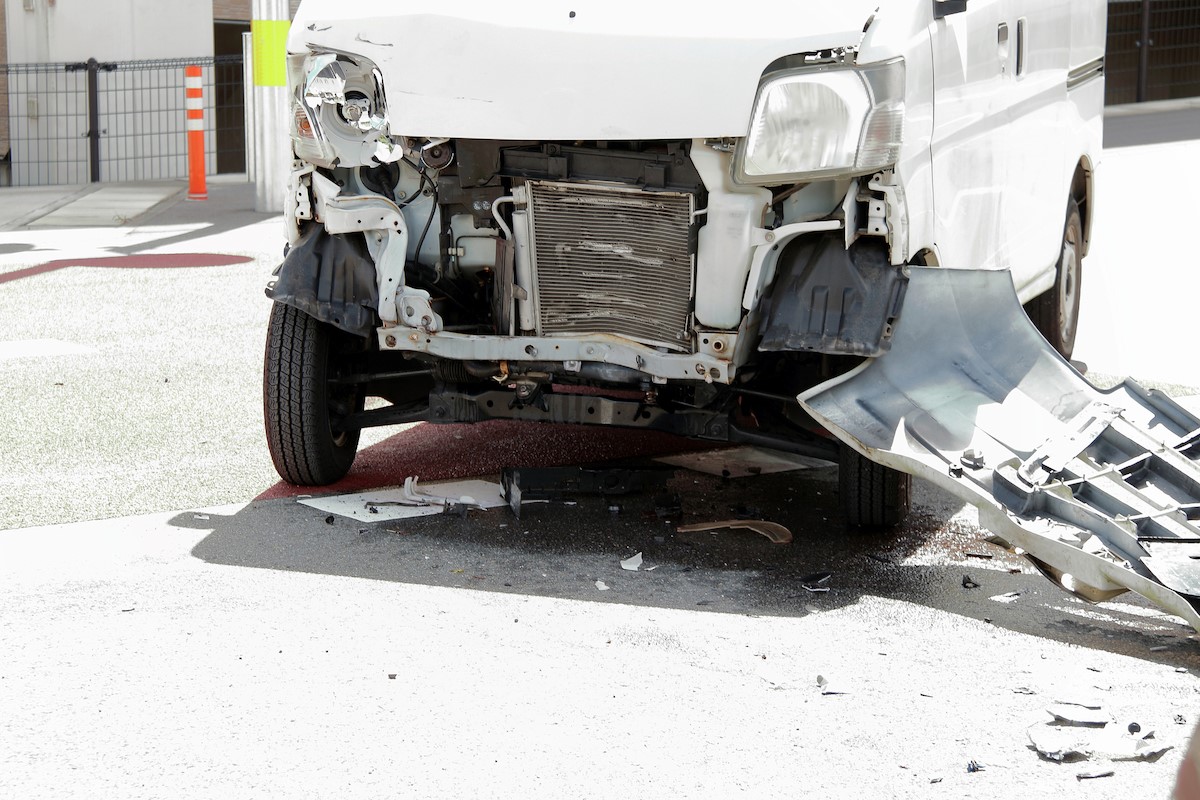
[[1055, 313], [874, 497], [302, 410]]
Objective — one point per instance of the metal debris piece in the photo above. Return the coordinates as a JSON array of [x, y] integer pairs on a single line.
[[1023, 690], [1083, 776], [935, 780], [602, 586], [552, 483], [1007, 597], [772, 530], [1180, 719], [633, 563], [968, 583]]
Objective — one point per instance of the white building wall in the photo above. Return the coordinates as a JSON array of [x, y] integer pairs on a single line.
[[56, 31], [108, 30]]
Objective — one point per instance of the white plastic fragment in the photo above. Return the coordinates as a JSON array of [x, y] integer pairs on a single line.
[[633, 563], [1007, 597], [1078, 715], [602, 586]]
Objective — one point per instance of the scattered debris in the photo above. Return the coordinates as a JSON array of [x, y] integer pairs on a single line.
[[772, 530], [1007, 597], [968, 583], [124, 610], [1159, 648], [1083, 776], [633, 563], [741, 462], [987, 556], [199, 516], [329, 520], [1023, 690], [1180, 719], [614, 509], [1181, 669], [1134, 727], [602, 586], [391, 676], [974, 766], [522, 485], [935, 780]]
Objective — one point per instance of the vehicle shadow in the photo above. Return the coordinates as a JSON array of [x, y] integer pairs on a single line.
[[572, 550]]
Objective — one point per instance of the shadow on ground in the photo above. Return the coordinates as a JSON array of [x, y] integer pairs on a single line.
[[561, 550]]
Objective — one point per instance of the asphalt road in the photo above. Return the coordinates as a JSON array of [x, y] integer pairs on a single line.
[[176, 623]]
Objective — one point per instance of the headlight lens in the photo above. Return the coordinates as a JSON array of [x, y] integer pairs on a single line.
[[339, 113], [813, 123]]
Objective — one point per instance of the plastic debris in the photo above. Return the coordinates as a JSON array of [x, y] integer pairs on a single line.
[[633, 563], [199, 516], [602, 586], [410, 500], [969, 583], [974, 766], [1180, 719], [772, 530], [1007, 597], [1076, 743], [1072, 714]]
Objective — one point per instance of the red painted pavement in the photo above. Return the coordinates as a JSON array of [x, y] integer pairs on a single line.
[[443, 452], [143, 261]]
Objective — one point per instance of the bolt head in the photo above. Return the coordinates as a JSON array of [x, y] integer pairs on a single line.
[[390, 341]]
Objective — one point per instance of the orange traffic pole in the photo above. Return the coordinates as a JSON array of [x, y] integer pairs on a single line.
[[194, 103]]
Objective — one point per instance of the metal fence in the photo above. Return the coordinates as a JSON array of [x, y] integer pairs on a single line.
[[1153, 50], [118, 121]]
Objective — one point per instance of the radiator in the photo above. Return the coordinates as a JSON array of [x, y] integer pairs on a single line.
[[612, 260]]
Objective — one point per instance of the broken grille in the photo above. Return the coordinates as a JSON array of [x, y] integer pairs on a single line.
[[610, 260]]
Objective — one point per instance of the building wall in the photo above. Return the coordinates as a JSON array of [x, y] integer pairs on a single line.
[[111, 30]]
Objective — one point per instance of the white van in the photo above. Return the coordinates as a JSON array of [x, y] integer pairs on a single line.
[[681, 216]]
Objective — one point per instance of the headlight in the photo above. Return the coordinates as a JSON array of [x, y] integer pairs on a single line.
[[813, 123], [339, 114]]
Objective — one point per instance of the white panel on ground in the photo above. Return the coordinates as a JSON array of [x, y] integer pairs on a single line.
[[381, 505], [739, 462]]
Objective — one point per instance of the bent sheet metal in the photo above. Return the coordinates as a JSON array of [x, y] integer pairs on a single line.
[[1100, 488]]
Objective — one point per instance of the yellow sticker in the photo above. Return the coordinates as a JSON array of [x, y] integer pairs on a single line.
[[269, 37]]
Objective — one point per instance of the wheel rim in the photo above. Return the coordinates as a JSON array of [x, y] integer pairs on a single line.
[[1068, 285]]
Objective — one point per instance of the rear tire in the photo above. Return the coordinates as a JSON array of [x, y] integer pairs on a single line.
[[301, 409], [1055, 313], [874, 497]]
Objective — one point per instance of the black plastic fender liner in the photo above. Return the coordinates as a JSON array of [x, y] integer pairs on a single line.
[[330, 277], [828, 299]]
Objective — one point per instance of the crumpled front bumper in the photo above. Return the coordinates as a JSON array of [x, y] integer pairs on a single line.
[[1101, 489]]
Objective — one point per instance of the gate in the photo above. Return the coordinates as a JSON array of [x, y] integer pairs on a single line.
[[1153, 50], [118, 121]]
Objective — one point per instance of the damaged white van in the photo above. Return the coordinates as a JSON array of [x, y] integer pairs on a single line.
[[660, 215]]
